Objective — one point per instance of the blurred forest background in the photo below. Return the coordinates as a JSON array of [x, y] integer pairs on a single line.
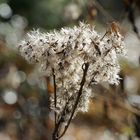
[[114, 112]]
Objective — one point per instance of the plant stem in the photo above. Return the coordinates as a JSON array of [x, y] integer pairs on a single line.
[[77, 99], [55, 102]]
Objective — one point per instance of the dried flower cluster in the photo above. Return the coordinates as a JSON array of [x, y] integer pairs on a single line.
[[65, 54]]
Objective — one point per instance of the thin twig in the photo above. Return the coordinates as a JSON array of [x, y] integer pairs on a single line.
[[104, 35], [103, 11], [55, 99], [55, 96], [77, 99], [60, 120]]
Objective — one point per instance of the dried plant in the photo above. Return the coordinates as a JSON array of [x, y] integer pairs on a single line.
[[76, 58]]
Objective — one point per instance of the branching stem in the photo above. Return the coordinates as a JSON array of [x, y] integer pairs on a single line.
[[85, 69]]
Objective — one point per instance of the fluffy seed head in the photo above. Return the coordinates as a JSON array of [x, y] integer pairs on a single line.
[[66, 51]]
